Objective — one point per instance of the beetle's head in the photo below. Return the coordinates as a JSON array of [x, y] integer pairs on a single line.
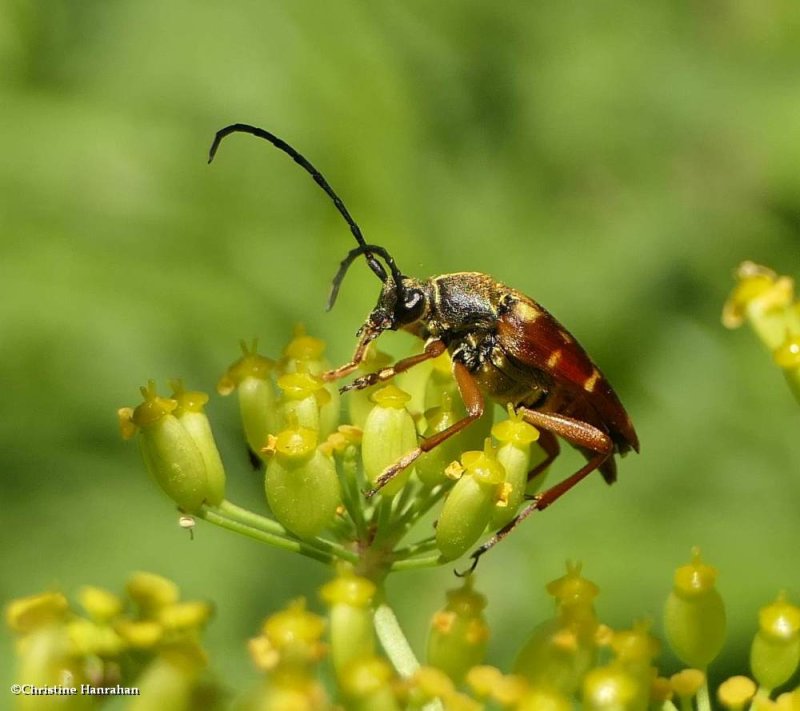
[[403, 300], [401, 304]]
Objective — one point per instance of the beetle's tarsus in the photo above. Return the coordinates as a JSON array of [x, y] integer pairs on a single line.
[[475, 557]]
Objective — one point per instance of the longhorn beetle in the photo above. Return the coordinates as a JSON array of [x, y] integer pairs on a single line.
[[503, 345]]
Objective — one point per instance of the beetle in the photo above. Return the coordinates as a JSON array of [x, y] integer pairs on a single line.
[[503, 345]]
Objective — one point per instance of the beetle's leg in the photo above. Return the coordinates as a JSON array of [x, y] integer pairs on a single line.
[[473, 400], [367, 336], [549, 443], [579, 433], [432, 350]]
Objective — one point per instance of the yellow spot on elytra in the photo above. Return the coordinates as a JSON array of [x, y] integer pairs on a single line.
[[527, 312], [591, 381], [554, 358]]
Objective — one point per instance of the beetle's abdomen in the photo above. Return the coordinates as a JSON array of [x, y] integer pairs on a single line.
[[533, 338]]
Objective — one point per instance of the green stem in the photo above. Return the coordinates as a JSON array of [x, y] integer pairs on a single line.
[[394, 642], [397, 648], [669, 706], [247, 523], [408, 494], [351, 492], [278, 541], [703, 700], [423, 546], [250, 518], [382, 517], [430, 561], [267, 525]]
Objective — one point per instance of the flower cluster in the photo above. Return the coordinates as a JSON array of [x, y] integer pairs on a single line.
[[324, 460], [767, 302], [320, 453], [146, 639], [150, 640]]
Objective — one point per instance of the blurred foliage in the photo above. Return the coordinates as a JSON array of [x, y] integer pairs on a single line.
[[615, 161]]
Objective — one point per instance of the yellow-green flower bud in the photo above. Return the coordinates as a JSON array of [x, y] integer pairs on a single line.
[[459, 633], [429, 683], [543, 699], [171, 680], [470, 503], [301, 483], [286, 693], [139, 634], [100, 604], [572, 590], [303, 396], [686, 683], [694, 616], [487, 682], [554, 656], [367, 684], [87, 638], [360, 402], [151, 592], [442, 384], [763, 298], [612, 688], [251, 377], [660, 691], [305, 353], [191, 415], [185, 616], [635, 650], [431, 466], [294, 635], [349, 598], [789, 701], [25, 614], [787, 356], [389, 433], [735, 693], [169, 451], [775, 652], [560, 651], [514, 453], [306, 350], [45, 657]]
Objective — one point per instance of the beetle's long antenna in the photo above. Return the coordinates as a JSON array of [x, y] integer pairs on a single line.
[[304, 163], [350, 258]]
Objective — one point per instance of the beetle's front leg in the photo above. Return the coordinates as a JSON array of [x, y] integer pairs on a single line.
[[368, 335], [433, 349]]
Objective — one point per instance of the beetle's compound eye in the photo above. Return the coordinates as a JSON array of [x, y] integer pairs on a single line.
[[413, 305]]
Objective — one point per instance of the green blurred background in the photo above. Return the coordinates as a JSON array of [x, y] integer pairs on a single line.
[[614, 160]]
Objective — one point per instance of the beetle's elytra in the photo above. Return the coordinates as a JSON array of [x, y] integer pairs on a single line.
[[503, 346]]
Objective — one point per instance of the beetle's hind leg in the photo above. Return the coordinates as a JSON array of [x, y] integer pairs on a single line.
[[582, 435], [549, 443]]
